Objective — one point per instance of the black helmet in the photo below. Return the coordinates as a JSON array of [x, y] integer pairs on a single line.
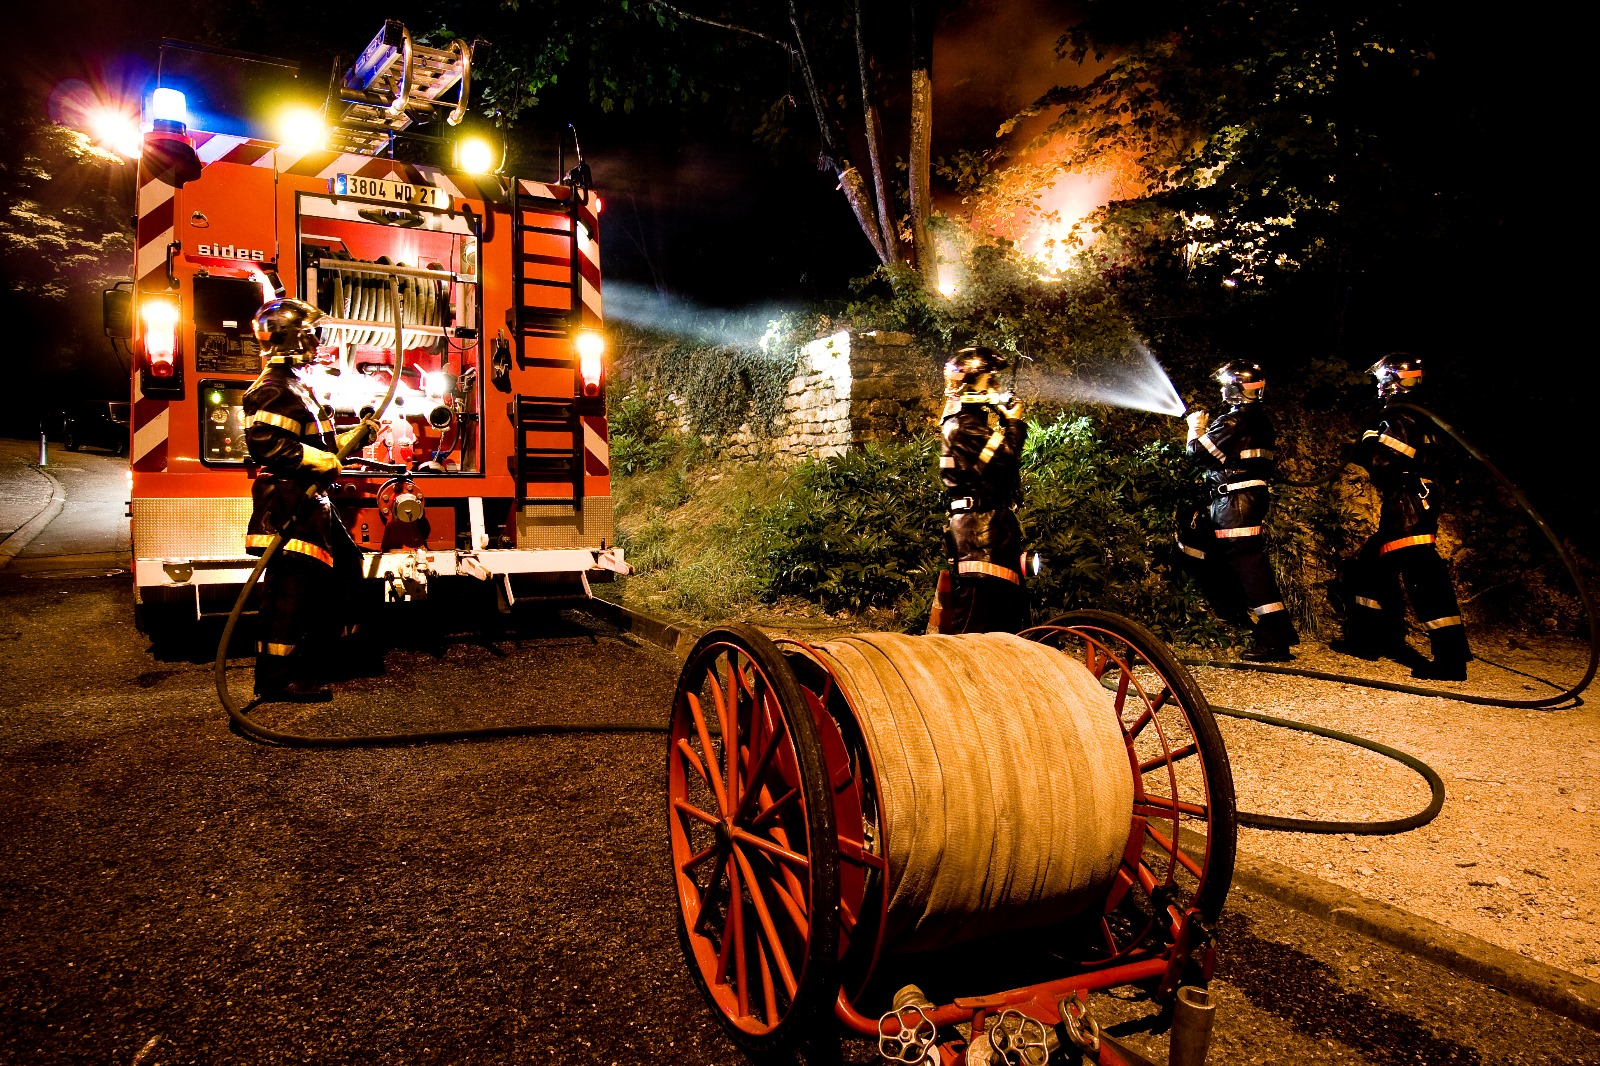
[[1241, 382], [288, 328], [1397, 373], [969, 369]]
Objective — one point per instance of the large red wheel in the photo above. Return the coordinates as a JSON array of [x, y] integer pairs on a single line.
[[754, 855], [1181, 845]]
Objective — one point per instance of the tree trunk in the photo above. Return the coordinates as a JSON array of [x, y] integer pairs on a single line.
[[855, 192], [850, 182], [923, 256], [869, 114]]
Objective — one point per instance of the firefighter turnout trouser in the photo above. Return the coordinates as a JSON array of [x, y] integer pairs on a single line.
[[1235, 573], [980, 602], [304, 604], [1377, 609]]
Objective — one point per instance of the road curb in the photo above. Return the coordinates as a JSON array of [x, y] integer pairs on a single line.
[[24, 534], [1541, 984], [1538, 983]]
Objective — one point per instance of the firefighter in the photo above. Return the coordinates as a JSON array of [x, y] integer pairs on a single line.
[[1404, 459], [1227, 539], [294, 445], [980, 465]]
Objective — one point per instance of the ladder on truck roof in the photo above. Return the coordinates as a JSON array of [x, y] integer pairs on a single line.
[[553, 319], [393, 82]]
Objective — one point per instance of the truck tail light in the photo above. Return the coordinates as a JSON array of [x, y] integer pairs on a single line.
[[162, 372], [591, 346]]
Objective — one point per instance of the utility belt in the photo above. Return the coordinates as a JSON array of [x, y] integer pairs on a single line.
[[1223, 488], [970, 504]]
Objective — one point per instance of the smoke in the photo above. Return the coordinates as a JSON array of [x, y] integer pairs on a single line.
[[749, 327], [1128, 376]]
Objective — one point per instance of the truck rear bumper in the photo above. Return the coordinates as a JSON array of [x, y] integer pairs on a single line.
[[404, 574]]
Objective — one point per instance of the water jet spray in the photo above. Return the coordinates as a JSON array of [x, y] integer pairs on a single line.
[[1130, 378]]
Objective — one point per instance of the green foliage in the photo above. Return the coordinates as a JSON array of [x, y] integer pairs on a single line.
[[1103, 517], [866, 529], [861, 530], [714, 388], [638, 439]]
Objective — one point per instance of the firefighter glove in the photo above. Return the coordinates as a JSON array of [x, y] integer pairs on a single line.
[[319, 462], [352, 439], [1010, 405], [1198, 421]]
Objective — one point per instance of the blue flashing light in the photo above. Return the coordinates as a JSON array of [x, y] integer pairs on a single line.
[[169, 104]]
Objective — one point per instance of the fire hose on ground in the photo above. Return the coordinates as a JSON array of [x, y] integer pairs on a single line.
[[244, 724], [1435, 785]]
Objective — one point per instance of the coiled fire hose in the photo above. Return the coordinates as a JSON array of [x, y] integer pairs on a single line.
[[1435, 784], [244, 724]]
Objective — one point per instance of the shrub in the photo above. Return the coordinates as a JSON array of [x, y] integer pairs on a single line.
[[638, 440], [865, 530], [861, 530]]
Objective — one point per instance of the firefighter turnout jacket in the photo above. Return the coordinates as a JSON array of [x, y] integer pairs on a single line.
[[981, 466], [1402, 455], [1236, 456], [284, 429], [1404, 459], [1225, 538]]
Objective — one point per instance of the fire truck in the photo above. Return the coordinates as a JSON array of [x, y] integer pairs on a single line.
[[491, 465]]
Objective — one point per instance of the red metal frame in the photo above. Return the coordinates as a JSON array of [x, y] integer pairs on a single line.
[[757, 842]]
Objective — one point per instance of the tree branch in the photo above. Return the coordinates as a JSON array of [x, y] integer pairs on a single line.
[[731, 26]]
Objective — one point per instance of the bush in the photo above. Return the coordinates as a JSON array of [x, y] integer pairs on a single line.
[[638, 440], [1103, 516], [865, 530], [861, 530]]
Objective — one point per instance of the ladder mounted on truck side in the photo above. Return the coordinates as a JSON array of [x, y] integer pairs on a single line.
[[548, 308]]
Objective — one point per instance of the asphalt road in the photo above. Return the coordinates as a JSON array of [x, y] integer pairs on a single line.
[[172, 893]]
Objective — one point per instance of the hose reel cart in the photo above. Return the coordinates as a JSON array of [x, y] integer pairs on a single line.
[[959, 810]]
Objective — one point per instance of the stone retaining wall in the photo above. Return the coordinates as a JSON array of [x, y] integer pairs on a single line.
[[848, 389]]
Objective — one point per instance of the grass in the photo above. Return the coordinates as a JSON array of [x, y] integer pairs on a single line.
[[690, 530]]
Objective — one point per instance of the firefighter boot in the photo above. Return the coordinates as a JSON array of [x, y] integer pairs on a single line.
[[1450, 655], [1270, 643]]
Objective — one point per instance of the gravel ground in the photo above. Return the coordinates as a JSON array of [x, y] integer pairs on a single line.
[[1514, 858], [170, 893]]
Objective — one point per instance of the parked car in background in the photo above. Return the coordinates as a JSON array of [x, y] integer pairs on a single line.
[[97, 425]]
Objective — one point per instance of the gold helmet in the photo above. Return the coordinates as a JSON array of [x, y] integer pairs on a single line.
[[972, 369], [1241, 381], [287, 328], [1397, 373]]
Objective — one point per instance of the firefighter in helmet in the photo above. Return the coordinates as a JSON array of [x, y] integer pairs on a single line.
[[1226, 539], [980, 465], [1404, 459], [295, 447]]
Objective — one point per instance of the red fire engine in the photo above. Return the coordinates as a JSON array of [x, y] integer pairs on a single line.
[[492, 463]]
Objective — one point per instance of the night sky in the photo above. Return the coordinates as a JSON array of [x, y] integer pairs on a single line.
[[697, 209]]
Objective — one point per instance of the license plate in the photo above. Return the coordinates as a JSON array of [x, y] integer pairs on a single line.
[[394, 192]]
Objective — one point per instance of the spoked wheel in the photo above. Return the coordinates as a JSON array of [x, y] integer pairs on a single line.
[[1181, 848], [754, 853]]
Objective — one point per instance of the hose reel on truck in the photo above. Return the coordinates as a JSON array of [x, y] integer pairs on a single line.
[[838, 813]]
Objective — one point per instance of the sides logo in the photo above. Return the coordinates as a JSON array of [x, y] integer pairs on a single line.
[[228, 251]]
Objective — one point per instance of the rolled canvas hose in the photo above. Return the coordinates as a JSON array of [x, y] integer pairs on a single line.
[[1006, 786]]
